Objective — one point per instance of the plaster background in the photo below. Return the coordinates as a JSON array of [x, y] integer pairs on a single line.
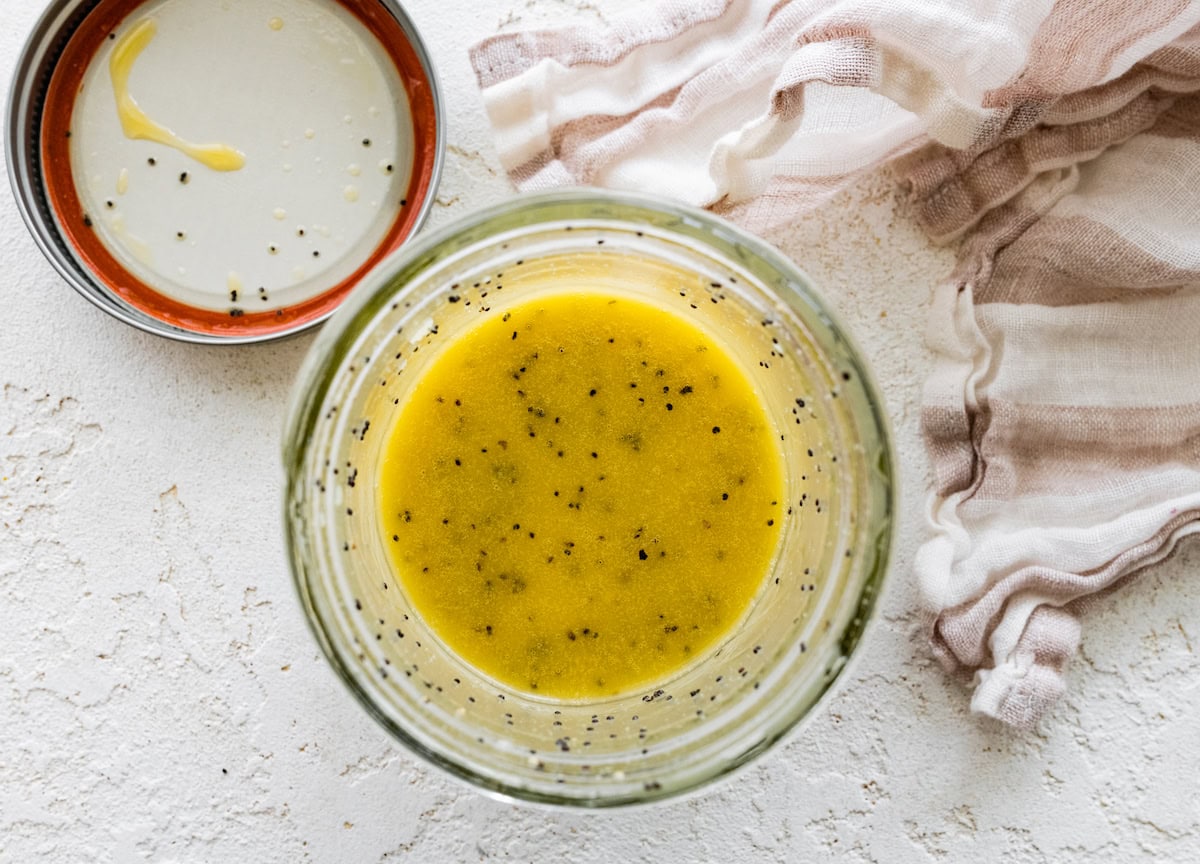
[[161, 699]]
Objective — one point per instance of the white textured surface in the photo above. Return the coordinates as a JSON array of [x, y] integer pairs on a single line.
[[161, 700]]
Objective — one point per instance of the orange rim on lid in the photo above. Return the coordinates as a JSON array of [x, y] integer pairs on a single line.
[[71, 37]]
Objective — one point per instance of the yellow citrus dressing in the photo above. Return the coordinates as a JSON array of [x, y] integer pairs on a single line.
[[134, 121], [582, 496]]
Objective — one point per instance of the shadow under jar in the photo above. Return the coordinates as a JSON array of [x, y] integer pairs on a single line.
[[733, 700]]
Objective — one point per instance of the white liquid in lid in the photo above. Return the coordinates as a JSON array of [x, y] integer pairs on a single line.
[[300, 89]]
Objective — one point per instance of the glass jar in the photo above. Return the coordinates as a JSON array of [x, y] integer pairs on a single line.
[[729, 705]]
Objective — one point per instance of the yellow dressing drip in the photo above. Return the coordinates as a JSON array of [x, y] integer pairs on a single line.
[[582, 496], [134, 121]]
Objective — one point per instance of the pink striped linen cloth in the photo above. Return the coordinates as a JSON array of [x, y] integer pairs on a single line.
[[1058, 143]]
